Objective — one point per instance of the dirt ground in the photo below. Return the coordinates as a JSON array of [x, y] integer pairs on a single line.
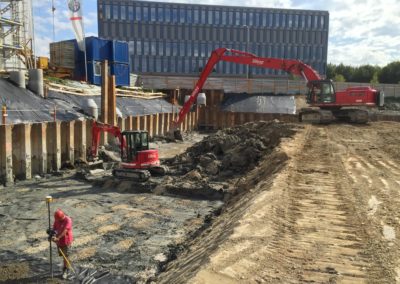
[[263, 203], [329, 215]]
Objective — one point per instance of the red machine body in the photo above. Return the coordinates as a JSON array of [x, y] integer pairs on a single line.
[[137, 160], [321, 92], [143, 160]]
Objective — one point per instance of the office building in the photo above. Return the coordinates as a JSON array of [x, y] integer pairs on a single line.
[[177, 39]]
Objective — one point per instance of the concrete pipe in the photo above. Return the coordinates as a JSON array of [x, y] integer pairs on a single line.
[[35, 83], [18, 78]]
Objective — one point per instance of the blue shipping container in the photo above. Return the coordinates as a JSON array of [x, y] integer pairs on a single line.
[[120, 52], [97, 49], [121, 72], [93, 72]]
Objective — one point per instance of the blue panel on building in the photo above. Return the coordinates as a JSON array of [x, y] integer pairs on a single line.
[[120, 52], [121, 72]]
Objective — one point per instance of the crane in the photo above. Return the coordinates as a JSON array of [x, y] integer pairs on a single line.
[[328, 104]]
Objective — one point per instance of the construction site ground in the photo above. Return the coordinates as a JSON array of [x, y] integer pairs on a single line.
[[266, 202]]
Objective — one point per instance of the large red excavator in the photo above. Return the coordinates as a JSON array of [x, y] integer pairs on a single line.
[[138, 161], [327, 103]]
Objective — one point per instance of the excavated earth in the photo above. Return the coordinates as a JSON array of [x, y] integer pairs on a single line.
[[265, 202]]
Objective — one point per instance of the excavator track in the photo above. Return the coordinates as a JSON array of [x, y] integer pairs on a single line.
[[352, 115], [159, 170], [133, 174], [323, 116], [316, 116]]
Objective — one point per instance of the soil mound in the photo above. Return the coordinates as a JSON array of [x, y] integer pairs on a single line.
[[212, 165]]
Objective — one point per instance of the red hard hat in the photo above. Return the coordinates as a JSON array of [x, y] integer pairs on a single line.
[[59, 215]]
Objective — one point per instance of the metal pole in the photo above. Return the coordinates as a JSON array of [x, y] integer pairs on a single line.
[[52, 10], [48, 200]]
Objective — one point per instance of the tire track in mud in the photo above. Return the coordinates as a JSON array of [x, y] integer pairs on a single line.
[[324, 244]]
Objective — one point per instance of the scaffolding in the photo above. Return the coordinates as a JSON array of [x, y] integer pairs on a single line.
[[16, 35]]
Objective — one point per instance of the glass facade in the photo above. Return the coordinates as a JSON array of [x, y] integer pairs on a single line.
[[179, 38]]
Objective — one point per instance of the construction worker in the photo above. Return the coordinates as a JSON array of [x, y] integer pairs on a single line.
[[63, 237]]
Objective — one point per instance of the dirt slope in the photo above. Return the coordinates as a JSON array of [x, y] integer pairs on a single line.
[[330, 215]]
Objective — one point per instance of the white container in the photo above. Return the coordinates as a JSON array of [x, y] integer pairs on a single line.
[[90, 108], [201, 99]]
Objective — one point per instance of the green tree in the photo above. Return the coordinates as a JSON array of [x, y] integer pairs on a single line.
[[375, 79], [330, 71], [364, 73], [390, 74], [346, 70], [339, 78]]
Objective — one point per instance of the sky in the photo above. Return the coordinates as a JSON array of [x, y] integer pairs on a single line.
[[360, 31]]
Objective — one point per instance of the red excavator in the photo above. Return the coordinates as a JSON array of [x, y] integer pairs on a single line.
[[327, 104], [138, 161]]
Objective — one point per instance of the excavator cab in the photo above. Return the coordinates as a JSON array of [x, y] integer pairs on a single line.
[[136, 141], [321, 92]]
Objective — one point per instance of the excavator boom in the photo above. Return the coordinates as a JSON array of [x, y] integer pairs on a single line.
[[321, 92], [294, 67]]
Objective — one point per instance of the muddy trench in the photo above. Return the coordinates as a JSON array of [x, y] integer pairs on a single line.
[[127, 232]]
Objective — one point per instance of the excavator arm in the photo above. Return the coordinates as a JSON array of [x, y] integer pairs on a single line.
[[97, 128], [295, 67]]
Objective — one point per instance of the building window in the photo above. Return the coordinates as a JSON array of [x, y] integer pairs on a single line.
[[283, 24], [308, 21], [107, 10], [230, 18], [196, 16], [153, 14], [123, 12], [224, 18], [270, 20], [167, 14], [138, 13], [277, 19], [145, 14], [182, 15], [203, 17], [188, 48], [237, 18], [244, 18], [217, 17], [189, 16], [130, 13], [115, 12], [210, 17], [174, 15], [290, 21], [168, 48], [251, 19], [174, 49]]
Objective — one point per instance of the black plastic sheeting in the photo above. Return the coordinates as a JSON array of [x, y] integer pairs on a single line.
[[258, 103], [127, 106], [25, 106]]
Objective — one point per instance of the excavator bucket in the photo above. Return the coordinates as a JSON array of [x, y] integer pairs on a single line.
[[178, 135]]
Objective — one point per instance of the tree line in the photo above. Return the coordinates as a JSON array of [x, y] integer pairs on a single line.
[[389, 74]]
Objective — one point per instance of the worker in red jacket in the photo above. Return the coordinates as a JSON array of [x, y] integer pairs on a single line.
[[63, 237]]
